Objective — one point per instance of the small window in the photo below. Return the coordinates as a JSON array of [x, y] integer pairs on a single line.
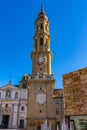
[[24, 85], [40, 69], [41, 41], [16, 95], [22, 108], [40, 111], [41, 26], [8, 94], [40, 88], [57, 111], [6, 105]]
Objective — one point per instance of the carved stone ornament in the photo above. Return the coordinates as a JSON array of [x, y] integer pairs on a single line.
[[40, 98]]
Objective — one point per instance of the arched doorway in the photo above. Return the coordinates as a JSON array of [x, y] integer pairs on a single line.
[[57, 125]]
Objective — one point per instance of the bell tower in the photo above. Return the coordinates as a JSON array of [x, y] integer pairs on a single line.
[[41, 55], [43, 101], [41, 82]]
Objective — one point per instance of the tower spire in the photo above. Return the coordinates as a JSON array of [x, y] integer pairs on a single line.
[[9, 82], [42, 8]]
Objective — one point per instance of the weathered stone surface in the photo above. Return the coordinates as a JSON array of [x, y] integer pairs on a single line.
[[75, 92], [58, 93]]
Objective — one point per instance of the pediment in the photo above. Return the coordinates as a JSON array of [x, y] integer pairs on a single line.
[[9, 86]]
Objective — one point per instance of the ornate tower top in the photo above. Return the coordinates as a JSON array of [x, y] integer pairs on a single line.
[[41, 54], [41, 36], [42, 14]]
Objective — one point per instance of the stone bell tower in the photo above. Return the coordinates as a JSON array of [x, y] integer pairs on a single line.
[[41, 82], [41, 55]]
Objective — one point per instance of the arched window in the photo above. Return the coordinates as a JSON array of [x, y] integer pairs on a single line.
[[41, 41], [16, 95], [22, 108], [24, 85], [41, 26], [8, 94]]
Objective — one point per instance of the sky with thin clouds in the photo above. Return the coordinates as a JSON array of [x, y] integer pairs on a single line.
[[68, 31]]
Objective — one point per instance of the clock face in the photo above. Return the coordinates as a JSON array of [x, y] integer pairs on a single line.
[[41, 98], [41, 59]]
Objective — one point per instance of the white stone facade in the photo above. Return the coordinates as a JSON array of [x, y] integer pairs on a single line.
[[13, 106]]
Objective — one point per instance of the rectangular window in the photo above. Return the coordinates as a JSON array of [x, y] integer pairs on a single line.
[[57, 111], [83, 124], [41, 41], [41, 26]]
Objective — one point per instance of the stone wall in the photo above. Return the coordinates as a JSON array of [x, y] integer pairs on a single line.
[[75, 92]]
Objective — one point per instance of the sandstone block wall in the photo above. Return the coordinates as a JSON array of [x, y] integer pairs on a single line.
[[75, 92]]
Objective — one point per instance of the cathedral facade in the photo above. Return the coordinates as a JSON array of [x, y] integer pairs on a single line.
[[13, 106]]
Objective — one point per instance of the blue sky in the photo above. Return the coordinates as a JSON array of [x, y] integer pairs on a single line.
[[68, 30]]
